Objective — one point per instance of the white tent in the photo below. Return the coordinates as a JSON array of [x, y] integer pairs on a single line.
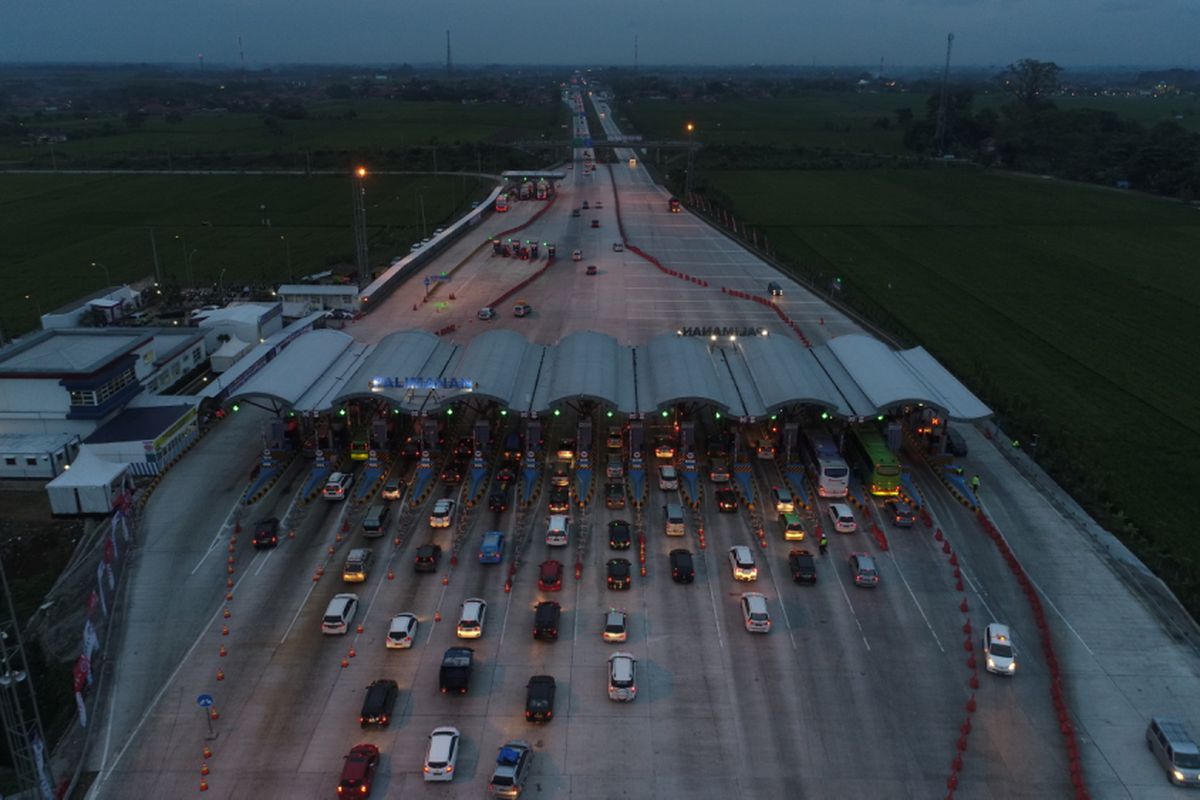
[[89, 486], [229, 352]]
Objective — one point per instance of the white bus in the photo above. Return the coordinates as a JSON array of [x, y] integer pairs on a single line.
[[826, 467]]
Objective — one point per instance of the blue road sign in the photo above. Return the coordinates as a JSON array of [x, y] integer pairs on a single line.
[[204, 700]]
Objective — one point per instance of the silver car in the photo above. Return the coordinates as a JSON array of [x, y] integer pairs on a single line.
[[513, 764]]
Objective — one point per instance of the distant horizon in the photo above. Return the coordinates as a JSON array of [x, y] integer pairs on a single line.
[[233, 66]]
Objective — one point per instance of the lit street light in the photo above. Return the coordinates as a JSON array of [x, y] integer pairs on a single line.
[[687, 190], [358, 193], [107, 278]]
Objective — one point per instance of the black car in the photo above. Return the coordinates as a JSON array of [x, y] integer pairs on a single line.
[[614, 495], [498, 500], [545, 620], [560, 500], [619, 535], [803, 566], [378, 704], [266, 533], [901, 513], [428, 556], [464, 448], [682, 570], [727, 499], [539, 698], [453, 473], [956, 445], [507, 472], [620, 573]]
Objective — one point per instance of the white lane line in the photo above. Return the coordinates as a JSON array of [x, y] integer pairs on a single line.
[[710, 579], [312, 588], [103, 776], [264, 560], [853, 614], [1040, 591], [975, 588], [782, 605], [217, 539], [921, 611]]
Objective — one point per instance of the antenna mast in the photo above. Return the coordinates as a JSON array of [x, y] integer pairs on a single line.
[[242, 56], [449, 62], [940, 135]]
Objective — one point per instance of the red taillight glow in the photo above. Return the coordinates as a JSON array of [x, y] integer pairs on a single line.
[[361, 720], [364, 788]]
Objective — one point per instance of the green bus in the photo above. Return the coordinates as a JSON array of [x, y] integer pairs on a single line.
[[877, 466]]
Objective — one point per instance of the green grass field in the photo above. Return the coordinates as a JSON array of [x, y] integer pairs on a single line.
[[379, 125], [54, 226], [1070, 309], [844, 122]]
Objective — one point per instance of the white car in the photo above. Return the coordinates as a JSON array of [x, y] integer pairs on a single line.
[[402, 631], [784, 503], [616, 626], [741, 562], [442, 515], [577, 255], [486, 313], [999, 652], [339, 613], [470, 620], [842, 518], [442, 754], [622, 677], [338, 485], [754, 613]]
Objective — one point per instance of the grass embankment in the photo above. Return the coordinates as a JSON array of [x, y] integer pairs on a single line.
[[54, 226], [1068, 308]]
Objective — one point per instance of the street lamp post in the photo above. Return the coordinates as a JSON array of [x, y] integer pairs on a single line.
[[360, 224], [107, 279], [221, 283], [687, 190]]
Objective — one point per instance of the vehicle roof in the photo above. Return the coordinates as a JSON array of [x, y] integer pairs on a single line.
[[541, 680]]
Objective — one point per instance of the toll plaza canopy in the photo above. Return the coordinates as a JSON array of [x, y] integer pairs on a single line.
[[748, 377], [533, 174]]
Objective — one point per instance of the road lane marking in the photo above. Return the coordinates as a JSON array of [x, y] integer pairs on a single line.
[[312, 588], [921, 611], [104, 776], [853, 614], [1040, 591]]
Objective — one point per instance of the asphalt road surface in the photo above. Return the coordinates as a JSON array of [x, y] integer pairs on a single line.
[[854, 692]]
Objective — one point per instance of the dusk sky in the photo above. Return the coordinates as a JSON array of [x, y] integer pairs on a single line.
[[902, 32]]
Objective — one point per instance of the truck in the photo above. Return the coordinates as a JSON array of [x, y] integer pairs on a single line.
[[543, 189], [455, 673], [526, 191]]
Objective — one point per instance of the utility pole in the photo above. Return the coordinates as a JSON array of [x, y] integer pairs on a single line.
[[242, 56], [635, 53], [18, 705], [940, 135], [449, 61]]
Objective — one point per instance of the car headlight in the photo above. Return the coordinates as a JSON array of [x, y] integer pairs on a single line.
[[1012, 667], [991, 663], [1177, 774]]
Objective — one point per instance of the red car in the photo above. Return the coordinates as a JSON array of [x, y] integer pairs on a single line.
[[550, 576], [358, 771]]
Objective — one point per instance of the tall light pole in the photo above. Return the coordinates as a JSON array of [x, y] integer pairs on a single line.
[[221, 283], [107, 280], [687, 189], [358, 193], [287, 252]]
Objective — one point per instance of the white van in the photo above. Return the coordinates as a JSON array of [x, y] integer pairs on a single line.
[[668, 478], [1173, 746], [558, 531], [674, 522]]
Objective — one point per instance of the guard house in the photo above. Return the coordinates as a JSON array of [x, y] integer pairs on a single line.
[[300, 299]]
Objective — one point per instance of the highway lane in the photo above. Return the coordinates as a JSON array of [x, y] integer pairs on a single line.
[[853, 691]]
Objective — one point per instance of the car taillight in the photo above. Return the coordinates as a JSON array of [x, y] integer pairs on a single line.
[[449, 768], [364, 788], [383, 719], [427, 768], [361, 720], [549, 715], [528, 715]]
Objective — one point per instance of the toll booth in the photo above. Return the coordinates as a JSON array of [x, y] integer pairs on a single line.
[[273, 434], [583, 437], [791, 442], [379, 434], [687, 437], [429, 433], [637, 436], [482, 435], [533, 433]]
